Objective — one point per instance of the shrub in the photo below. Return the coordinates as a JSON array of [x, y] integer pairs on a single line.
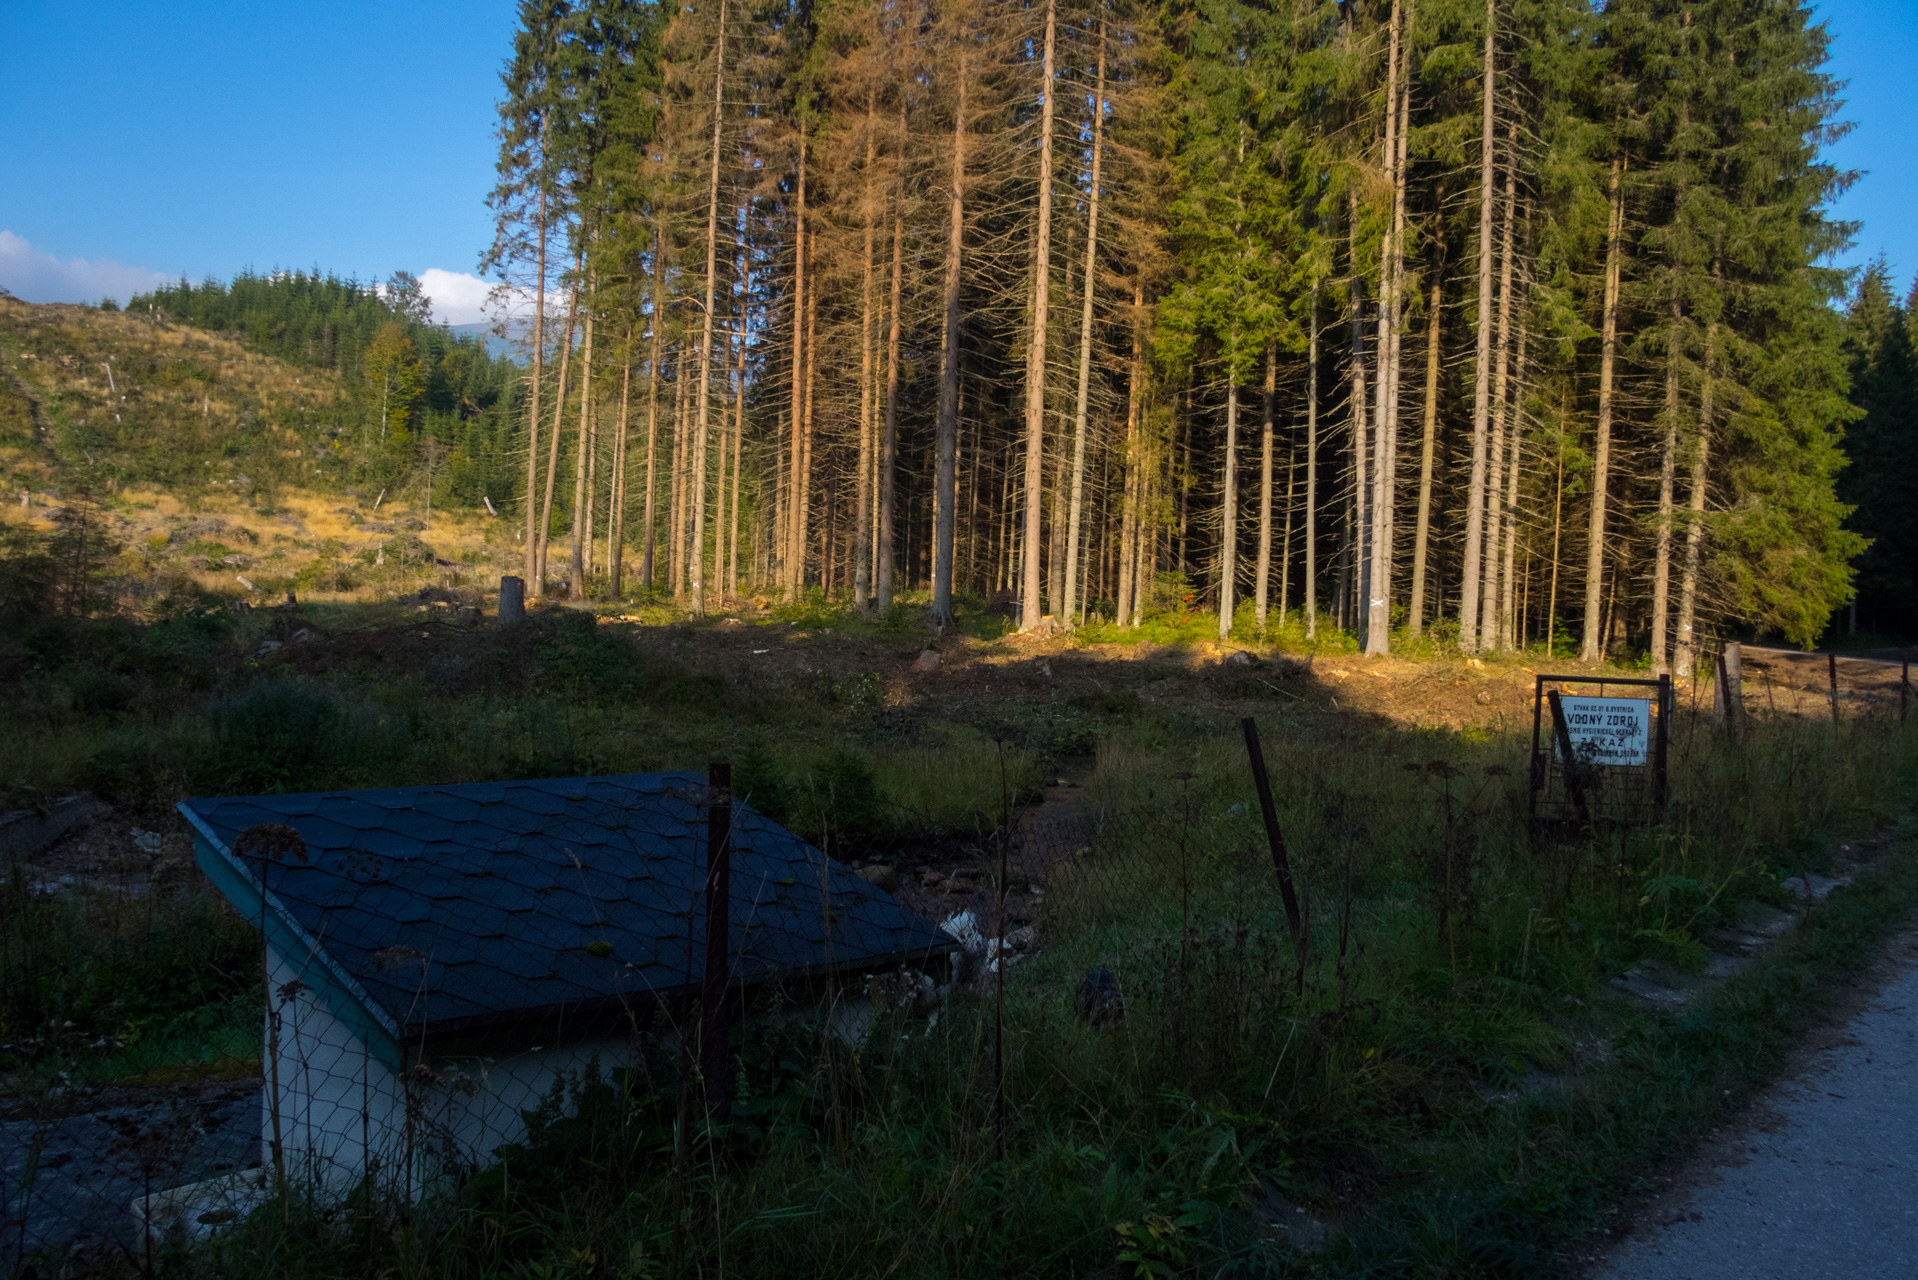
[[291, 735]]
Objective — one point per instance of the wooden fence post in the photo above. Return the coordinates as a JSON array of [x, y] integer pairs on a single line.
[[1831, 665], [1728, 701]]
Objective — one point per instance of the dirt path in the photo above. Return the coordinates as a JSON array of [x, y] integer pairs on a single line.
[[1820, 1177]]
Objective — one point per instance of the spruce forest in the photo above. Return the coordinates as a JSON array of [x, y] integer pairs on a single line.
[[1499, 323]]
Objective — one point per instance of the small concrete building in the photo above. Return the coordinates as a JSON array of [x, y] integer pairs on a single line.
[[439, 959]]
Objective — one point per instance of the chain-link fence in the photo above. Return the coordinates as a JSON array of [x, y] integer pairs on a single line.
[[441, 974], [435, 976]]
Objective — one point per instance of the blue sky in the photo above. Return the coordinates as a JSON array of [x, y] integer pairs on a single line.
[[154, 139], [165, 137]]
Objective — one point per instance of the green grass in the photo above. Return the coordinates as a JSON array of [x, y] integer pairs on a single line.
[[1380, 1081], [1381, 1085], [99, 985]]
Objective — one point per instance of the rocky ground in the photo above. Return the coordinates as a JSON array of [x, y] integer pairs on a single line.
[[72, 1162]]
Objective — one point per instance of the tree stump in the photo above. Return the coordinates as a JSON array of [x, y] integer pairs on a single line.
[[512, 600]]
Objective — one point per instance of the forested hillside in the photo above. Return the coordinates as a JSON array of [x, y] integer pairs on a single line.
[[417, 400], [103, 401], [150, 466], [1495, 320]]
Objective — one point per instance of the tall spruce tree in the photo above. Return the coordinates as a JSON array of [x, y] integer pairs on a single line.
[[1880, 483]]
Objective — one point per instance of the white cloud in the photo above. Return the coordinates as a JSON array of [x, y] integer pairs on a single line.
[[40, 277], [457, 297]]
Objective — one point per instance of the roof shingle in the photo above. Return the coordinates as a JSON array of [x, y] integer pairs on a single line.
[[491, 920]]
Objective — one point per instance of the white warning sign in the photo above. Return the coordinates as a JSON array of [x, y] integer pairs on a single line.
[[1609, 730]]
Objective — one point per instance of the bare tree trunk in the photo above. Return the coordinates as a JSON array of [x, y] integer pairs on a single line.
[[803, 515], [945, 469], [739, 416], [725, 341], [971, 506], [889, 449], [1146, 576], [1592, 647], [1264, 578], [1055, 581], [1285, 547], [552, 454], [1130, 510], [1558, 526], [1489, 596], [792, 567], [1229, 518], [1312, 472], [1002, 572], [676, 516], [1378, 612], [582, 493], [862, 548], [616, 517], [1388, 513], [1036, 348], [1421, 537], [702, 429], [1361, 545], [1128, 575], [1085, 335], [652, 399], [1686, 654], [531, 558], [1468, 603], [828, 529], [1508, 596], [589, 414], [1667, 469]]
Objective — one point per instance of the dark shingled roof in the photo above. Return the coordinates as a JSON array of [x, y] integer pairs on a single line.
[[459, 907]]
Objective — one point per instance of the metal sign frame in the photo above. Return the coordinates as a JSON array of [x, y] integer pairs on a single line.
[[1568, 791]]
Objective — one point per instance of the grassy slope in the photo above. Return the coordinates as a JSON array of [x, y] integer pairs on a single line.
[[212, 459]]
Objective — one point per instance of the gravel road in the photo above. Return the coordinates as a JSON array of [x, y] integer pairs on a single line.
[[1820, 1179]]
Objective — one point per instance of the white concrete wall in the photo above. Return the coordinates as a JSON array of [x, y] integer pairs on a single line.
[[338, 1103]]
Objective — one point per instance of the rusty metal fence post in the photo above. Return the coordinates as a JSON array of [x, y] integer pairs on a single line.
[[1661, 748], [1574, 781]]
